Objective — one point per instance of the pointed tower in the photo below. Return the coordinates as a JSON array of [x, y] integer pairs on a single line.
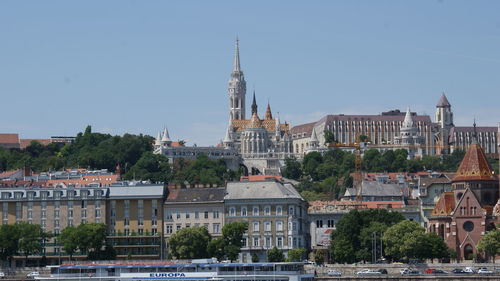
[[269, 114], [444, 118], [313, 142], [254, 105], [228, 138], [237, 88], [165, 139], [158, 140]]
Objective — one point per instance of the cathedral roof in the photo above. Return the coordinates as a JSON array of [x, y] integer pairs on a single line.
[[255, 121], [445, 205], [443, 101], [474, 166]]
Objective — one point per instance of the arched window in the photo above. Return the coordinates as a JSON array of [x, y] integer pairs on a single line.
[[468, 252]]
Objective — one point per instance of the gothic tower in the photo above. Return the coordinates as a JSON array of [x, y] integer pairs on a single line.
[[237, 88], [444, 118]]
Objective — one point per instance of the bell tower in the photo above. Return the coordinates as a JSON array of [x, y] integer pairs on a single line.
[[444, 118], [237, 88]]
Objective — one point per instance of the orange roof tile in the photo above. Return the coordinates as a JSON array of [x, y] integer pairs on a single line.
[[27, 142], [445, 205], [474, 166], [9, 138]]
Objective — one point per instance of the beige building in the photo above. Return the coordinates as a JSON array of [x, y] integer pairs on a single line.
[[276, 216], [190, 207], [53, 209], [135, 219]]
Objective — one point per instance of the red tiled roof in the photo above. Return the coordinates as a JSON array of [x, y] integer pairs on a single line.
[[474, 166], [259, 178], [445, 205], [27, 142], [9, 138], [7, 174]]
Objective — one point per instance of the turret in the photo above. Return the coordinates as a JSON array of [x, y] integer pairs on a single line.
[[165, 139], [237, 88]]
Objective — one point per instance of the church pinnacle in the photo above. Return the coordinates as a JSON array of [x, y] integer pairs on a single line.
[[254, 104], [236, 63]]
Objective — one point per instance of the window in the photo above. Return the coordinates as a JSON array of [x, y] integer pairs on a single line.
[[169, 215], [279, 241], [97, 213], [244, 211], [267, 210], [56, 213], [197, 215], [279, 225], [206, 214], [216, 214], [256, 241], [168, 229], [256, 226], [178, 226], [187, 215], [245, 242], [216, 228], [232, 212], [279, 210], [291, 211], [255, 211], [70, 213], [84, 213], [331, 223], [56, 223], [30, 214], [70, 222], [468, 226], [268, 242], [267, 226], [140, 231], [319, 223], [178, 215], [44, 214]]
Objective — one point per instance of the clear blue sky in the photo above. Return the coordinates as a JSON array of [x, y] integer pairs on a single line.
[[135, 66]]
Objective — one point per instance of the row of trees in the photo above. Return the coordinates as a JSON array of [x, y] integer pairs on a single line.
[[29, 239], [21, 238], [134, 153], [88, 238], [326, 176], [353, 239], [196, 242]]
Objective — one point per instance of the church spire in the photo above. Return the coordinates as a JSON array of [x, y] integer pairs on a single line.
[[254, 104], [408, 121], [236, 63], [269, 114], [474, 133]]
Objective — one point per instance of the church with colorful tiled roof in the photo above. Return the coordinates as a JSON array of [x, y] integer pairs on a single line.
[[463, 216]]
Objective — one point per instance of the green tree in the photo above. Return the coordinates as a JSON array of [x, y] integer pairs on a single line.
[[319, 257], [233, 238], [154, 167], [275, 255], [190, 243], [31, 238], [215, 248], [292, 169], [9, 241], [490, 244], [255, 258], [297, 254], [353, 231], [91, 237], [69, 240]]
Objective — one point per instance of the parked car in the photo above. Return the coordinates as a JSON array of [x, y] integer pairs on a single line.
[[409, 271], [33, 274], [435, 271], [367, 272], [459, 271], [382, 271], [2, 275], [333, 272], [470, 269], [484, 270]]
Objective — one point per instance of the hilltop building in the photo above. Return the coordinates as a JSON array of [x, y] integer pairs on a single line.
[[395, 129]]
